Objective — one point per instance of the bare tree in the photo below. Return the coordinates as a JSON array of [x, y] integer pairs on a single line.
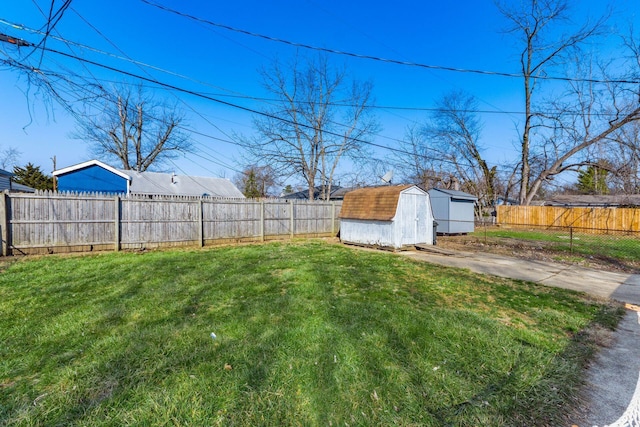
[[624, 156], [256, 181], [587, 117], [446, 149], [9, 157], [416, 161], [134, 128], [536, 24], [456, 129], [319, 118]]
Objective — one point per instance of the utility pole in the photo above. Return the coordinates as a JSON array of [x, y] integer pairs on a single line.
[[55, 178]]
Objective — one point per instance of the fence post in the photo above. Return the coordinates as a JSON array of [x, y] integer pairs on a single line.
[[333, 218], [116, 245], [262, 220], [4, 223], [292, 222], [571, 239], [200, 223], [484, 223]]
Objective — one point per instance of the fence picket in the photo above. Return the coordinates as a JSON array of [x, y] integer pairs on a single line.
[[596, 218], [50, 222]]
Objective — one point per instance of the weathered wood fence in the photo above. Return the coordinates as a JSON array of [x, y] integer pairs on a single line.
[[59, 222], [597, 219]]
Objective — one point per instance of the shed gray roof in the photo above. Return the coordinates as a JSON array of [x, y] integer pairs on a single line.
[[180, 185], [455, 193]]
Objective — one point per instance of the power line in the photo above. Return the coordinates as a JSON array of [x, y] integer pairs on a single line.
[[379, 59], [438, 76], [243, 108], [102, 52], [44, 74], [52, 21], [251, 110], [234, 94], [141, 67]]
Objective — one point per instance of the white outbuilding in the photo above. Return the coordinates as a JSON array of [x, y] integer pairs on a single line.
[[388, 217]]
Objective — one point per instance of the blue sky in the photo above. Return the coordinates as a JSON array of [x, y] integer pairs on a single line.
[[464, 34]]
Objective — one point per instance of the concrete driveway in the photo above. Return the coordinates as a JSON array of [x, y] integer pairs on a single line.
[[619, 286], [612, 377]]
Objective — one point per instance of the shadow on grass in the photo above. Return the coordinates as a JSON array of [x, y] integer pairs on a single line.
[[304, 343]]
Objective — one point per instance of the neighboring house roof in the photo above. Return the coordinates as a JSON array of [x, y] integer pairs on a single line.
[[455, 193], [587, 200], [337, 193], [20, 188], [373, 203], [503, 201], [341, 192], [7, 184], [91, 163], [154, 183]]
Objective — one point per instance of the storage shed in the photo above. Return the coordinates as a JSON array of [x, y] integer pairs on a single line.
[[390, 217], [453, 211]]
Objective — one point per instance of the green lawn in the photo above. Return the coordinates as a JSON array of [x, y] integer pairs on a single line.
[[308, 333], [615, 247]]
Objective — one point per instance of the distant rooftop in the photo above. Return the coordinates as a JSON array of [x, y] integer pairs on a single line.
[[155, 183], [587, 200]]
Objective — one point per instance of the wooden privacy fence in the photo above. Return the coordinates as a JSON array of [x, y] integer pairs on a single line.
[[59, 222], [585, 219]]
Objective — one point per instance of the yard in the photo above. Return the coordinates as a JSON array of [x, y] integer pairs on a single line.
[[303, 333]]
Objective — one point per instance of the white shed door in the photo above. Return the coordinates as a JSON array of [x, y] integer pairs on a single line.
[[413, 218]]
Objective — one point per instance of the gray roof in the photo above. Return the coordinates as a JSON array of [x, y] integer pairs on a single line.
[[20, 188], [5, 173], [180, 185], [594, 200], [455, 193], [337, 193]]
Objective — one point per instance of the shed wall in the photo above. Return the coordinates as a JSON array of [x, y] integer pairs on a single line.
[[368, 232], [462, 216], [440, 208], [453, 214]]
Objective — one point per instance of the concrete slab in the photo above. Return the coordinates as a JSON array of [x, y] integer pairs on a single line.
[[611, 379], [622, 287], [629, 290]]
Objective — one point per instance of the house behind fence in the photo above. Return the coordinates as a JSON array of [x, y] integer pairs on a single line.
[[61, 222]]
